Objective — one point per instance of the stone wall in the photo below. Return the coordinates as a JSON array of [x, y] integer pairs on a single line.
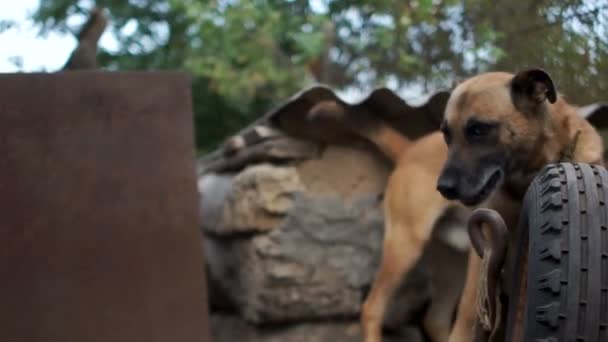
[[292, 249]]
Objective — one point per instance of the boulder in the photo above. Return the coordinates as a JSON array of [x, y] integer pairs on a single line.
[[254, 200], [316, 264], [257, 198]]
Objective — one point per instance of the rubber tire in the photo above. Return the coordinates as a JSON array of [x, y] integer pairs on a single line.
[[564, 237]]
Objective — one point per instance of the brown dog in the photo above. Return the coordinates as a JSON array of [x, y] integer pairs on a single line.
[[499, 130]]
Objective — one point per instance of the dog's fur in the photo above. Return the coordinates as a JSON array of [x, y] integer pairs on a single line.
[[499, 130]]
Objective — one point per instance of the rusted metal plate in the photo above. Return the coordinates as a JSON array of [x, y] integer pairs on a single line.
[[98, 203], [291, 119]]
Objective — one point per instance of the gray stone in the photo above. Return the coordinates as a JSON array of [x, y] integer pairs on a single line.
[[230, 328], [252, 201], [317, 265]]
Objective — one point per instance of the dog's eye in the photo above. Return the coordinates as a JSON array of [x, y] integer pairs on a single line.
[[477, 130]]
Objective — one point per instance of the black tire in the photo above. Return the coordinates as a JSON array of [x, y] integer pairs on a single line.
[[560, 270]]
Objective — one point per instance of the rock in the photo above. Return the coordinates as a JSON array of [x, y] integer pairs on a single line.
[[230, 328], [257, 198], [346, 172], [254, 200], [213, 190], [316, 265], [324, 230]]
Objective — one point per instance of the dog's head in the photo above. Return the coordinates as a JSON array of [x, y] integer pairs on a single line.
[[492, 125]]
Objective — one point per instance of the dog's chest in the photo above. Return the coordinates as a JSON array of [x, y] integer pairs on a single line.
[[507, 207]]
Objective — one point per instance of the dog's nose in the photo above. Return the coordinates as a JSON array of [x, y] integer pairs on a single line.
[[447, 187]]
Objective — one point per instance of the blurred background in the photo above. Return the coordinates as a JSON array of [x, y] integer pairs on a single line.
[[292, 222], [247, 56]]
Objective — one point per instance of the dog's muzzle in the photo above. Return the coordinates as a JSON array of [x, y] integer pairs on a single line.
[[455, 184], [448, 187]]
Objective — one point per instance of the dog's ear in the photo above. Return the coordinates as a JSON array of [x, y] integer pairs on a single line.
[[532, 87]]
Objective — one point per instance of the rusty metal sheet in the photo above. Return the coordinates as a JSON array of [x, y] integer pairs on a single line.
[[290, 117], [98, 209], [412, 121]]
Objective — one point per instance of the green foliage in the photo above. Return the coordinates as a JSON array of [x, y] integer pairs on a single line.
[[246, 56], [567, 38]]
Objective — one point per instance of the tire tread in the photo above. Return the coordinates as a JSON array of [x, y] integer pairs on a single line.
[[568, 270]]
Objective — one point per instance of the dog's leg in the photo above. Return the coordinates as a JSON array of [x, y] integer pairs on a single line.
[[410, 211], [437, 326], [465, 318], [438, 319], [398, 256]]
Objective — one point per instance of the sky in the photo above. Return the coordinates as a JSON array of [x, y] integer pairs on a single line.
[[37, 53]]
